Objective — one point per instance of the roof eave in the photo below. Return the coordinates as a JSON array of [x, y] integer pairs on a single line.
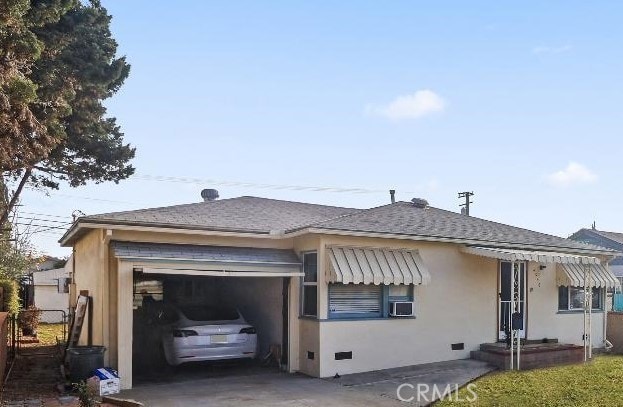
[[426, 238], [74, 231]]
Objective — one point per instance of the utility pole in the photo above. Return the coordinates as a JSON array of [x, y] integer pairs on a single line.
[[467, 196]]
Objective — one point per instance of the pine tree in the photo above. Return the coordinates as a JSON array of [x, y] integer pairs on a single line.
[[72, 67]]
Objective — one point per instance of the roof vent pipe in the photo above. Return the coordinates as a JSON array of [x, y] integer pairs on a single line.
[[209, 195], [419, 202], [392, 195]]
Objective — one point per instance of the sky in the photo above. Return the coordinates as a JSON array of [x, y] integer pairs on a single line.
[[520, 103]]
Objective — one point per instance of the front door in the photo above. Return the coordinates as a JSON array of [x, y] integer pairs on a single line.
[[505, 293]]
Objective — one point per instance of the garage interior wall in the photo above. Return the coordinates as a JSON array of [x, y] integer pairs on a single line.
[[260, 300]]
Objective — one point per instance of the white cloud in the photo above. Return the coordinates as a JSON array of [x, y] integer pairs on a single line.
[[551, 50], [421, 103], [573, 174]]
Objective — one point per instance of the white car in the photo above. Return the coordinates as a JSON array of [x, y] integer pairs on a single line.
[[199, 333]]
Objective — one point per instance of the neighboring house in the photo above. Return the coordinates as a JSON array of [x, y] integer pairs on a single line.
[[51, 293], [323, 282], [610, 240]]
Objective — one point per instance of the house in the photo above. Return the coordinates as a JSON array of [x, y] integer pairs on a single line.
[[610, 240], [51, 293], [330, 285]]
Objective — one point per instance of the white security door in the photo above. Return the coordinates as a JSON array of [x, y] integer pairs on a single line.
[[505, 297]]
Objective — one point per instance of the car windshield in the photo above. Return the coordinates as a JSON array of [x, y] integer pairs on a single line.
[[206, 313]]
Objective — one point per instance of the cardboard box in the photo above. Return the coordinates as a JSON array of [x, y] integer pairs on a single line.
[[105, 381]]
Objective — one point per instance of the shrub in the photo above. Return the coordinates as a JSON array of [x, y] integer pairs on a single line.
[[11, 296], [29, 318]]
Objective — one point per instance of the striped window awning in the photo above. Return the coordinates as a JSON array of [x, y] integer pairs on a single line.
[[573, 275], [530, 255], [362, 265]]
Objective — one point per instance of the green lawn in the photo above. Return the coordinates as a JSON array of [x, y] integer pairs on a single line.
[[599, 383], [47, 333]]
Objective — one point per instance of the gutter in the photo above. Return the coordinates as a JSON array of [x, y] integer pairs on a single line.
[[425, 238], [168, 228], [153, 227]]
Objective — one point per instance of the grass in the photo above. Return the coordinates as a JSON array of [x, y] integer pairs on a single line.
[[599, 383], [47, 333]]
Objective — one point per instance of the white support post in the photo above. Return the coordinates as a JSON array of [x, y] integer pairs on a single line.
[[589, 299], [585, 336], [518, 294], [510, 317]]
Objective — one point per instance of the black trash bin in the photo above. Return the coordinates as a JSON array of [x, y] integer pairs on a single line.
[[83, 360]]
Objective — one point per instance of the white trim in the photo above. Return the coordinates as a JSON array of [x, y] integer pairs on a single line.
[[421, 238], [89, 225], [218, 273], [226, 262]]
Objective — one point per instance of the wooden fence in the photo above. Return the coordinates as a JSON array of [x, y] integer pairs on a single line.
[[4, 348]]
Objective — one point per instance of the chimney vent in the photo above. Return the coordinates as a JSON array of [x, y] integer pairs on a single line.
[[209, 195], [419, 202]]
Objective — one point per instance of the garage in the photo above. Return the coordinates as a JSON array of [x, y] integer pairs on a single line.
[[201, 311]]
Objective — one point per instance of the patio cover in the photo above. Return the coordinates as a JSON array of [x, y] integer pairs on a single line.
[[570, 270], [362, 265], [530, 255]]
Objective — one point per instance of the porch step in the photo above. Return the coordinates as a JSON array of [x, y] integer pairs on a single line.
[[532, 356]]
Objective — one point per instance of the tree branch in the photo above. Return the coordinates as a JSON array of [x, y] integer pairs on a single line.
[[13, 201]]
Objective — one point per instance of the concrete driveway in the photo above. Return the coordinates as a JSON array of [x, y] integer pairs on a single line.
[[281, 389]]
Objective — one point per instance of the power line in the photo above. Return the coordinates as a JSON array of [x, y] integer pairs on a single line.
[[79, 197], [199, 181], [41, 226], [44, 214], [44, 220]]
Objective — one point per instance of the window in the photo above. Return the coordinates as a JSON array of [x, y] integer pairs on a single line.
[[310, 285], [572, 298], [352, 301], [355, 300]]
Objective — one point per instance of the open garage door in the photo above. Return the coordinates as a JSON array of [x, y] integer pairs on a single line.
[[175, 284]]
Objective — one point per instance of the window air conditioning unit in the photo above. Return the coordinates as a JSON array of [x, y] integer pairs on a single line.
[[401, 309]]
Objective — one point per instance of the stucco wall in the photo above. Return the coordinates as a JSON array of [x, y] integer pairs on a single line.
[[459, 305], [90, 263], [309, 342], [544, 319]]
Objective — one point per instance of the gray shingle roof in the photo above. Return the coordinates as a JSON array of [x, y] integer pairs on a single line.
[[262, 215], [204, 253], [246, 213], [403, 218], [614, 236]]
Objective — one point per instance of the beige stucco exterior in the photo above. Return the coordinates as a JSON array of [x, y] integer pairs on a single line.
[[458, 306]]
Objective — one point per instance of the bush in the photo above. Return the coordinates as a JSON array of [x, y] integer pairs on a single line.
[[11, 296], [29, 318]]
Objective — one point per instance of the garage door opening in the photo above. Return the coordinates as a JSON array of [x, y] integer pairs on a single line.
[[169, 345]]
